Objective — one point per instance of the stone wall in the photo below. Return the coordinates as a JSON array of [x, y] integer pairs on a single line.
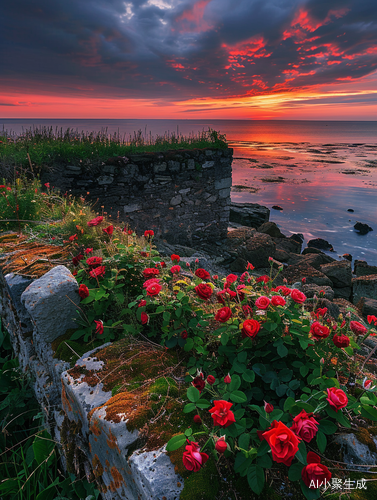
[[36, 313], [184, 196]]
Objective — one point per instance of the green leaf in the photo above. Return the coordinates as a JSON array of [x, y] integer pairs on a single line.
[[276, 414], [294, 472], [193, 394], [49, 493], [304, 370], [264, 448], [282, 350], [248, 376], [310, 494], [327, 427], [203, 403], [244, 441], [321, 441], [265, 461], [235, 383], [255, 478], [371, 412], [189, 407], [285, 375], [289, 402], [238, 367], [189, 344], [301, 453], [294, 384], [281, 390], [176, 442], [224, 339], [270, 327], [238, 397], [166, 316], [42, 447], [242, 356]]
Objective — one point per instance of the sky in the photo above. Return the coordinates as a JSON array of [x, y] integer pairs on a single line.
[[188, 59]]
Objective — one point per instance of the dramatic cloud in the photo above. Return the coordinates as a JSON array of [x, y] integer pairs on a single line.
[[181, 50]]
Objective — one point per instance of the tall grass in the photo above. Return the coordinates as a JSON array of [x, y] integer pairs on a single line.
[[43, 147]]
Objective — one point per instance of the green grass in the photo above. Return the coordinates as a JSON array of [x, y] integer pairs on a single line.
[[41, 148]]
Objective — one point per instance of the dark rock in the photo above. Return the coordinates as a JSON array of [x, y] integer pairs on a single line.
[[288, 245], [343, 292], [308, 250], [296, 272], [364, 286], [368, 307], [312, 289], [272, 229], [339, 272], [350, 210], [256, 250], [298, 237], [347, 256], [248, 214], [362, 228], [276, 207], [362, 268], [332, 308], [356, 453], [321, 244], [317, 260]]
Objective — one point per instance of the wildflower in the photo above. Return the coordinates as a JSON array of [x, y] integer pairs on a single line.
[[83, 291], [88, 251], [76, 260], [73, 237], [148, 233], [98, 271], [99, 326], [175, 269], [95, 221], [250, 266], [175, 258], [264, 279], [372, 319], [47, 185], [109, 230], [94, 261]]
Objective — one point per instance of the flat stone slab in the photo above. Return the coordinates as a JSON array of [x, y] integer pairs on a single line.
[[364, 286], [51, 302]]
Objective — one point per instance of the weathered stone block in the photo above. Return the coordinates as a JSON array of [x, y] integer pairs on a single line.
[[364, 286], [339, 272], [132, 208], [208, 164], [51, 302], [223, 183], [105, 179], [248, 214]]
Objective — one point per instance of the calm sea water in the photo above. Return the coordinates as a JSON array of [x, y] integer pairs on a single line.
[[314, 170]]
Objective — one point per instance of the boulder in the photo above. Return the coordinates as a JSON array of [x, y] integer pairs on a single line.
[[362, 228], [47, 297], [339, 272], [343, 292], [312, 289], [356, 453], [256, 250], [296, 272], [361, 268], [272, 229], [288, 245], [249, 214], [369, 307], [347, 256], [321, 244], [364, 286], [317, 260], [309, 250]]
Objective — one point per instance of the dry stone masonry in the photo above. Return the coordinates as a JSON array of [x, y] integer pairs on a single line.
[[184, 195]]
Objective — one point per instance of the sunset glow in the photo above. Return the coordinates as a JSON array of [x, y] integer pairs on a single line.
[[190, 59]]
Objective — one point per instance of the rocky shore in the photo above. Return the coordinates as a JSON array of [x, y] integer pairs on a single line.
[[253, 238]]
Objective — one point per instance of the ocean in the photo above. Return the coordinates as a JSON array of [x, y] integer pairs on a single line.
[[316, 171]]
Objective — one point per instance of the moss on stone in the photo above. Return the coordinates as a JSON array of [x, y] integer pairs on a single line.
[[364, 436]]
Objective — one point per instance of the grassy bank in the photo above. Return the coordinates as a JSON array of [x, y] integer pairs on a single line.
[[44, 146]]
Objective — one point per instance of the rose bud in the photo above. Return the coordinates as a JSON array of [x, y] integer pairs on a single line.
[[227, 379], [211, 379], [197, 419], [221, 445], [268, 407]]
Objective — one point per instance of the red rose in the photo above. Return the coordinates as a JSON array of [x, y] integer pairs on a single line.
[[263, 279], [262, 302], [175, 258], [199, 383], [88, 251], [298, 296], [94, 261], [184, 335], [223, 314], [319, 331], [371, 318], [305, 426], [175, 269], [150, 272], [336, 398], [151, 281], [193, 458], [95, 221], [148, 233], [144, 318], [203, 291], [241, 295], [202, 274], [73, 237], [358, 328], [142, 303], [221, 445], [99, 326], [321, 311], [315, 474], [98, 271], [341, 340], [211, 379], [221, 413], [154, 289], [227, 379], [108, 230], [76, 260], [247, 310], [268, 407], [250, 328], [83, 291], [197, 419], [231, 278], [283, 289], [250, 266], [278, 300], [283, 443]]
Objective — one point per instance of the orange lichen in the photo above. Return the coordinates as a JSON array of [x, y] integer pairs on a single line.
[[95, 428], [97, 467], [112, 441], [117, 476], [65, 400]]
